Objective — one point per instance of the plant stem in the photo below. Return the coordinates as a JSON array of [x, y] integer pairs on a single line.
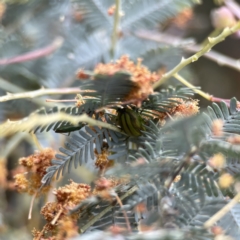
[[9, 87], [38, 93], [124, 213], [115, 28], [217, 216], [184, 62], [186, 83], [27, 124]]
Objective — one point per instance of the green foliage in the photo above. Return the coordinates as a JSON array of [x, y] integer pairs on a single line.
[[146, 152]]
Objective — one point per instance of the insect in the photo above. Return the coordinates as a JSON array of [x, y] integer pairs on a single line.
[[68, 128], [130, 121]]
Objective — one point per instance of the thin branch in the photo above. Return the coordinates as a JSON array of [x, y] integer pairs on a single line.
[[187, 45], [38, 93], [57, 216], [98, 216], [27, 124], [124, 213], [186, 83], [201, 93], [31, 206], [115, 28], [57, 43], [217, 216], [184, 62], [9, 87]]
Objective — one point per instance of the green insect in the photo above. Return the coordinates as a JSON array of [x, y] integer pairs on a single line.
[[130, 121], [69, 128]]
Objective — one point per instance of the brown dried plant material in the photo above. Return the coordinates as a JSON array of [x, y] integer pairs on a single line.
[[103, 187], [79, 100], [218, 161], [72, 194], [35, 166], [185, 108], [226, 180], [217, 127], [140, 75], [67, 229], [81, 74], [59, 223]]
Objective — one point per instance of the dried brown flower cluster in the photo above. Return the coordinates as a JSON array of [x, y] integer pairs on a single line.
[[185, 108], [102, 162], [140, 75], [35, 166], [59, 224]]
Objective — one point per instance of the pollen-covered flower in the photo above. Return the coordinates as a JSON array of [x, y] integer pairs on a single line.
[[218, 161], [35, 168], [72, 194], [56, 213], [183, 108], [226, 180], [140, 75], [217, 127]]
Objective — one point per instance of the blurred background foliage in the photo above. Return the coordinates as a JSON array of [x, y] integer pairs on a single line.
[[77, 34]]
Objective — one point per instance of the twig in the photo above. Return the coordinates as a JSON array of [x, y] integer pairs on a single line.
[[187, 45], [41, 233], [98, 216], [186, 83], [31, 206], [57, 216], [201, 93], [26, 124], [184, 62], [9, 87], [124, 213], [57, 43], [217, 216], [115, 28], [38, 93]]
